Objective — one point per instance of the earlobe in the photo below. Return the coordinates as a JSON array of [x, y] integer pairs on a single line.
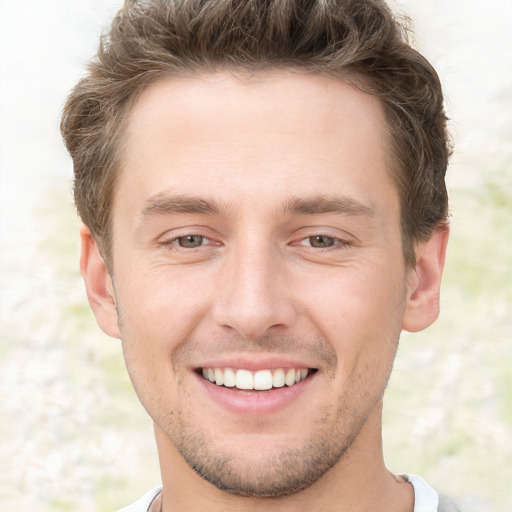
[[424, 283], [99, 286]]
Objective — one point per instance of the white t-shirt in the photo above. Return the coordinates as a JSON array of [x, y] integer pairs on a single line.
[[142, 504], [425, 498]]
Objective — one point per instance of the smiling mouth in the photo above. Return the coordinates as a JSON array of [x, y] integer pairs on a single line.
[[261, 380]]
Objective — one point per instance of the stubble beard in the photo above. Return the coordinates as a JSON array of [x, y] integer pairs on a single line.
[[286, 471], [282, 471], [280, 474]]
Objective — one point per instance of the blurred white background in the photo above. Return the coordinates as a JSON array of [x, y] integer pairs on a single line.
[[72, 435]]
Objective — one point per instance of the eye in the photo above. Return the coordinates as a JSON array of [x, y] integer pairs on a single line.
[[321, 241], [190, 241]]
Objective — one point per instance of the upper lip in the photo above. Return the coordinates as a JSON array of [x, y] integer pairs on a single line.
[[255, 363]]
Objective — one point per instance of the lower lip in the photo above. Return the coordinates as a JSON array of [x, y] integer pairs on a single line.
[[255, 402]]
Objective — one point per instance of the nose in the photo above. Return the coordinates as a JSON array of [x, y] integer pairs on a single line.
[[254, 296]]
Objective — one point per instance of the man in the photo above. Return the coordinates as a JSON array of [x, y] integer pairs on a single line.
[[261, 184]]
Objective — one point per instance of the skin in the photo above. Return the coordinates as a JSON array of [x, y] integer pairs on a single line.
[[281, 159]]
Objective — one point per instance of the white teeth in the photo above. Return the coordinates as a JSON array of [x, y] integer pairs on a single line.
[[219, 377], [261, 380], [289, 379], [244, 379], [278, 378], [229, 378]]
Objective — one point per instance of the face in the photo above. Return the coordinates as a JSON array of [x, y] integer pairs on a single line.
[[258, 272]]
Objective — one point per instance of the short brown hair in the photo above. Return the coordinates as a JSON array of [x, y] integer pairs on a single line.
[[357, 41]]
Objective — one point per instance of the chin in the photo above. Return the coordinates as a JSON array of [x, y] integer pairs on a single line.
[[272, 467]]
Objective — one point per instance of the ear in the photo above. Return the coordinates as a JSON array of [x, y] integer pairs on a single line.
[[424, 282], [99, 286]]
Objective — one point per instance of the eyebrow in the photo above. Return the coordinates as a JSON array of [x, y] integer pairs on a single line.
[[318, 205], [164, 204]]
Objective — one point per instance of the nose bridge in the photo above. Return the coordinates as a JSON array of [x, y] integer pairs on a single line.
[[251, 299]]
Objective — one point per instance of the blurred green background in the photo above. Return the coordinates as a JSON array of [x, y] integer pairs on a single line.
[[72, 433]]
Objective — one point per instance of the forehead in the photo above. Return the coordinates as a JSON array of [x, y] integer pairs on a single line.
[[279, 133], [216, 104]]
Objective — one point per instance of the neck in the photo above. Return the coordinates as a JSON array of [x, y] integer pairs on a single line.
[[359, 482]]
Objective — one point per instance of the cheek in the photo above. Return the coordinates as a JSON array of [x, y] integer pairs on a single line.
[[161, 299], [160, 309], [359, 296], [359, 312]]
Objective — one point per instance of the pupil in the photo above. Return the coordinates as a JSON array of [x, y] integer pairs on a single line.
[[190, 241]]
